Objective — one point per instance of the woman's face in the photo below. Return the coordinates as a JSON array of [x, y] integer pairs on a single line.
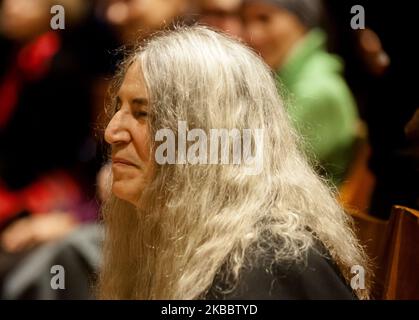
[[128, 134], [271, 31], [132, 16], [23, 19]]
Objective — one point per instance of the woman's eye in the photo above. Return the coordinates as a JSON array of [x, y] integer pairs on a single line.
[[263, 18], [140, 114]]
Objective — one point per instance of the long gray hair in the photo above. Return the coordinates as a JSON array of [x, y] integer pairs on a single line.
[[194, 219]]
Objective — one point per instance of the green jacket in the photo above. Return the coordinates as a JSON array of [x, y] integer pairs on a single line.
[[320, 104]]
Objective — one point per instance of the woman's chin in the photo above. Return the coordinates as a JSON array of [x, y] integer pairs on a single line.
[[120, 190]]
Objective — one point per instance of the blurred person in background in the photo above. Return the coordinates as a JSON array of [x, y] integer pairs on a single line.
[[287, 35], [223, 15], [135, 19], [48, 159], [381, 60], [128, 21], [45, 122]]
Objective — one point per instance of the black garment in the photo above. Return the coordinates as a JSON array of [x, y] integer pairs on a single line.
[[28, 275], [318, 278]]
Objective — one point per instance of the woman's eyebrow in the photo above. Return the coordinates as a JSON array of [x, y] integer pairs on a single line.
[[140, 101]]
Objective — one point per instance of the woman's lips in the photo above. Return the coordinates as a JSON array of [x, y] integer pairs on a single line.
[[122, 162]]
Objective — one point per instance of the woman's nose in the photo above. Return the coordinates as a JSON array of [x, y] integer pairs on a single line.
[[116, 131]]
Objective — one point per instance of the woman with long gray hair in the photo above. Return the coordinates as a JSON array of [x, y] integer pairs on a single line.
[[185, 221]]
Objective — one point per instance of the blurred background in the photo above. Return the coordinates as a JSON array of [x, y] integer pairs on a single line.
[[349, 79]]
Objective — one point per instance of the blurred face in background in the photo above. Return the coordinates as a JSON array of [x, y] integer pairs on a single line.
[[130, 17], [22, 20], [128, 134], [223, 15], [271, 31]]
